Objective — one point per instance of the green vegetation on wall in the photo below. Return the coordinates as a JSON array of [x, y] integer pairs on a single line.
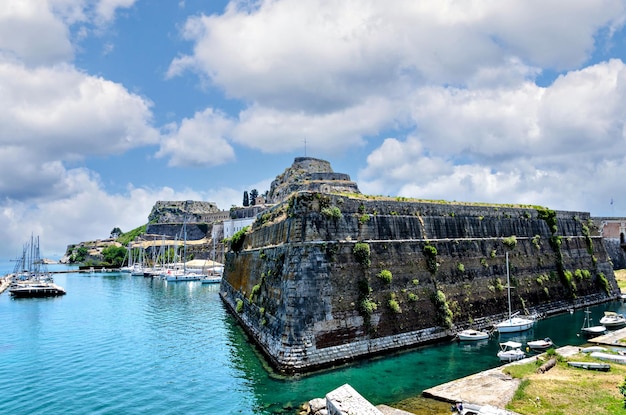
[[361, 252], [444, 314], [430, 252], [385, 275]]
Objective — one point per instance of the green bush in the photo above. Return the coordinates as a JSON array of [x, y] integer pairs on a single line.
[[510, 242], [368, 306], [385, 275], [361, 252], [236, 241], [430, 252], [239, 306], [253, 293], [460, 267], [604, 283], [332, 212], [412, 297], [394, 306]]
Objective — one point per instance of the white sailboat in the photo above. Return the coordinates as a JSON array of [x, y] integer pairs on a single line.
[[513, 324], [587, 329]]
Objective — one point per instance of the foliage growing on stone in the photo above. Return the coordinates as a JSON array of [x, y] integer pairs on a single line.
[[254, 292], [361, 252], [444, 314], [460, 267], [412, 297], [393, 304], [430, 252], [236, 241], [368, 306], [385, 275], [332, 212], [364, 218], [536, 242], [510, 242], [239, 306], [604, 283], [549, 216]]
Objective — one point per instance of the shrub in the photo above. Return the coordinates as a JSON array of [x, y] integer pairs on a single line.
[[364, 218], [236, 241], [368, 306], [361, 252], [604, 283], [394, 306], [332, 212], [239, 306], [430, 252], [385, 275], [510, 242], [255, 290], [537, 241], [444, 312], [415, 281], [412, 297], [460, 267]]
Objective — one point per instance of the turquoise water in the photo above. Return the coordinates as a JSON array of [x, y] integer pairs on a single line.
[[117, 344]]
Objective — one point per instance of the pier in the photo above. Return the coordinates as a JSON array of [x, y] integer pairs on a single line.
[[492, 388], [5, 282]]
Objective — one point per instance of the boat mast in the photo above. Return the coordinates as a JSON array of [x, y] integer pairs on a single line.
[[508, 283]]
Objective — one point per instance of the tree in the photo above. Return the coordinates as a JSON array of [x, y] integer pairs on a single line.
[[246, 201], [116, 232], [114, 255], [253, 195]]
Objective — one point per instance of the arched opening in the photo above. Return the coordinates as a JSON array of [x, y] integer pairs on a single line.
[[621, 238]]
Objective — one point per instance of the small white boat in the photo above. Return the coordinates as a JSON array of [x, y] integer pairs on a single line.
[[612, 320], [587, 329], [211, 279], [511, 351], [541, 344], [592, 349], [617, 358], [604, 367], [471, 334]]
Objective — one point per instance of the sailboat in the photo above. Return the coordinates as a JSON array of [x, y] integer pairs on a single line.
[[587, 329], [33, 279], [513, 323]]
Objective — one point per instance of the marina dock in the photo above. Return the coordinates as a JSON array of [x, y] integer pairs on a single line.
[[4, 283], [612, 338]]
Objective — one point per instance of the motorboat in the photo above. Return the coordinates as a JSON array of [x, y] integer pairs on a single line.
[[511, 351], [471, 335], [514, 323], [612, 320], [540, 345], [36, 288], [587, 329]]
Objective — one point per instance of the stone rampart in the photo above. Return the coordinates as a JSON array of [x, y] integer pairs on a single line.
[[323, 279]]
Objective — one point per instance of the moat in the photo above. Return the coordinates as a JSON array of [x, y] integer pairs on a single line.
[[131, 345]]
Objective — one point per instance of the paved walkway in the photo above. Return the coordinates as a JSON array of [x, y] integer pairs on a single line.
[[612, 338], [492, 387]]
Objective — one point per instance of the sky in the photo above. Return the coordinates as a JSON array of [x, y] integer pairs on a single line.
[[107, 106]]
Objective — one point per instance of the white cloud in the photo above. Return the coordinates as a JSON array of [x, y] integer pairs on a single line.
[[319, 56], [199, 141], [561, 146], [30, 31]]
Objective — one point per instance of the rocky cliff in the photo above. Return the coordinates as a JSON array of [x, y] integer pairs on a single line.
[[325, 278]]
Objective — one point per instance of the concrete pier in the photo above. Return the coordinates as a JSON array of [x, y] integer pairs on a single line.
[[492, 387], [4, 283]]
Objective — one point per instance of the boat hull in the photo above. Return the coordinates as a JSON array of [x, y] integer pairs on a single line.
[[514, 325], [472, 335]]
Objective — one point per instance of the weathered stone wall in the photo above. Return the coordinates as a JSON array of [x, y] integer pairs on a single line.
[[309, 301]]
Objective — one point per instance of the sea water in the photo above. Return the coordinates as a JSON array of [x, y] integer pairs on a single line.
[[119, 344]]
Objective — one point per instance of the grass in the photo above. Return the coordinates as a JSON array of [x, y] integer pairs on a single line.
[[564, 390]]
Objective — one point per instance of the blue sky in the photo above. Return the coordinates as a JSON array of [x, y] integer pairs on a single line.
[[107, 106]]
